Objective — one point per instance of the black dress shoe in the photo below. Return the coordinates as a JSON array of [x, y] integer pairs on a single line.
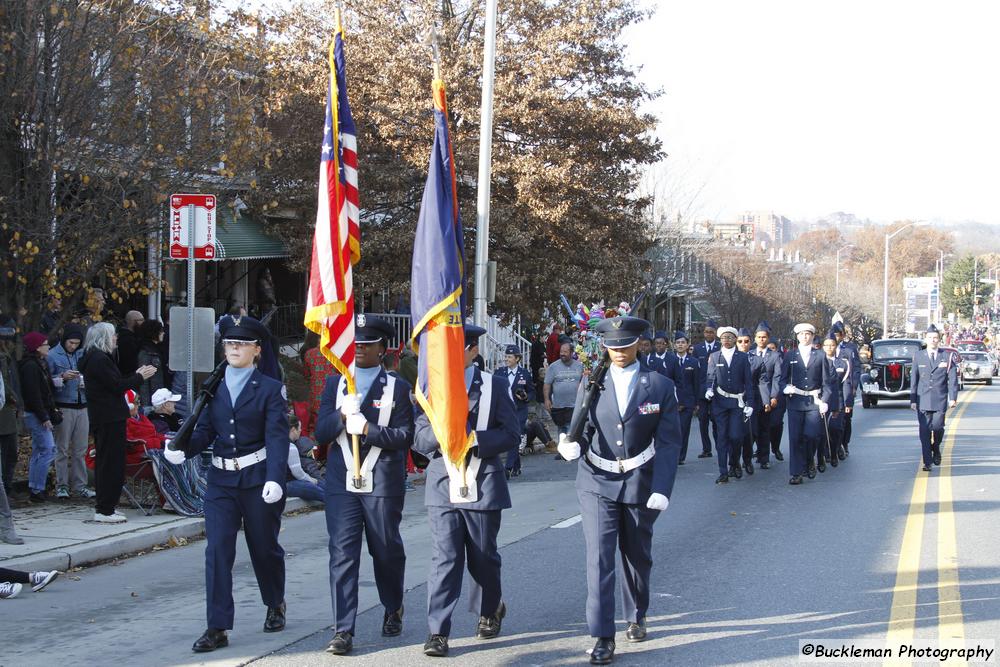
[[705, 455], [275, 621], [821, 467], [603, 652], [489, 626], [834, 461], [748, 467], [436, 646], [926, 468], [765, 465], [723, 479], [796, 479], [636, 632], [342, 644], [392, 623], [736, 472], [778, 455], [680, 462], [842, 453], [937, 459], [211, 640]]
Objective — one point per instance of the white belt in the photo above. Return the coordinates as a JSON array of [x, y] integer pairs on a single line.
[[621, 466], [803, 392], [738, 397], [241, 462]]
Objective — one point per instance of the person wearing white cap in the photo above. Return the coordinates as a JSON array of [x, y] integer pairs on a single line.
[[805, 381], [729, 388], [164, 415]]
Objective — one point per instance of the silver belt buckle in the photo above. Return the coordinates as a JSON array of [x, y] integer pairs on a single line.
[[621, 466], [236, 465]]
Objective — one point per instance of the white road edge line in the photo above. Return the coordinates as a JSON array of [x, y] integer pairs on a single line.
[[572, 521]]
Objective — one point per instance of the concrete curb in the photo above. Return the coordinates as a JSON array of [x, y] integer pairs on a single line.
[[113, 546]]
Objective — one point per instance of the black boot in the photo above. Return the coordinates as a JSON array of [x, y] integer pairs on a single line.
[[275, 621], [603, 652], [392, 623], [489, 626], [211, 640]]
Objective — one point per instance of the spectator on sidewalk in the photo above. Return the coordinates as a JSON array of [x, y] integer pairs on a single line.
[[72, 433], [108, 414], [536, 431], [552, 343], [127, 352], [562, 381], [537, 361], [316, 368], [150, 337], [8, 534], [11, 396], [12, 581], [305, 477], [139, 428], [39, 412], [164, 415]]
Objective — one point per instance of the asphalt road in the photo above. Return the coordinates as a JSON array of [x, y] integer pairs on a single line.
[[743, 572]]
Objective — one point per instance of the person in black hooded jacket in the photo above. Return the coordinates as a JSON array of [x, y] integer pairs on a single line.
[[108, 411], [39, 410]]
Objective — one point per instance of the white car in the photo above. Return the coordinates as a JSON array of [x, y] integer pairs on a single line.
[[977, 367]]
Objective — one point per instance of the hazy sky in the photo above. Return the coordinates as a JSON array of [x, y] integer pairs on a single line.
[[882, 108]]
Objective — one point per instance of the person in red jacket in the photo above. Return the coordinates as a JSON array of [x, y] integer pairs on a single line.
[[138, 427], [552, 343]]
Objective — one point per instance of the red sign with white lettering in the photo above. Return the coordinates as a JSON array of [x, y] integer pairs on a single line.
[[204, 225]]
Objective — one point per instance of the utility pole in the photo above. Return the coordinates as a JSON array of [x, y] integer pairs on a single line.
[[485, 159]]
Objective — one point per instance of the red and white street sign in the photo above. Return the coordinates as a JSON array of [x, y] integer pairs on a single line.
[[204, 226]]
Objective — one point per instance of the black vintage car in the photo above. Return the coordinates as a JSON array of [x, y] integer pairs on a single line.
[[887, 375]]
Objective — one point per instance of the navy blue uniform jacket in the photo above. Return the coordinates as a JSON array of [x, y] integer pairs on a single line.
[[503, 433], [259, 419], [735, 378], [690, 379], [815, 376], [389, 473], [521, 381], [932, 385], [651, 416]]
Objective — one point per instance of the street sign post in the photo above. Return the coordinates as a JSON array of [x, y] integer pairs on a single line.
[[192, 239]]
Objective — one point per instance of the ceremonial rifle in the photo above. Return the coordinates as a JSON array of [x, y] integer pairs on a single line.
[[207, 391], [595, 384]]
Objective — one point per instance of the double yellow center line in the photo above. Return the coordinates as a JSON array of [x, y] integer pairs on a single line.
[[903, 616]]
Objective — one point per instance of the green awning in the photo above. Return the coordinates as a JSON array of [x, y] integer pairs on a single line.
[[702, 311], [244, 237]]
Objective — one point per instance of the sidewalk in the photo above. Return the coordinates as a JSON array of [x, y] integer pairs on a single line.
[[61, 536]]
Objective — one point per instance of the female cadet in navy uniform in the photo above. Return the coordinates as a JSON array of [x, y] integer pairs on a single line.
[[522, 390], [841, 396], [689, 370], [630, 443], [805, 380], [246, 425], [465, 529], [729, 386], [382, 415]]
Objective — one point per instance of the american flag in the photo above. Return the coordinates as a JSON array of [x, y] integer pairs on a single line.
[[337, 241]]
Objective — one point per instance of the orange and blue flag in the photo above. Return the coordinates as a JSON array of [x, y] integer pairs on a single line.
[[437, 296]]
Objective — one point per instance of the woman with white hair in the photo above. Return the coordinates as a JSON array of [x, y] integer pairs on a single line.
[[108, 411]]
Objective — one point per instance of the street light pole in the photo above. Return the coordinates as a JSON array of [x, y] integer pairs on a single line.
[[485, 159], [885, 280]]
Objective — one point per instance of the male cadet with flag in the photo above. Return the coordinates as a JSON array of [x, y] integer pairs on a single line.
[[848, 350], [773, 400], [630, 441], [522, 390], [729, 388], [702, 351], [933, 389], [381, 415], [467, 420], [688, 385], [805, 380]]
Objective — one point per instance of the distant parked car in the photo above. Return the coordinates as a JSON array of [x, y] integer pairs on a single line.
[[977, 367], [887, 376]]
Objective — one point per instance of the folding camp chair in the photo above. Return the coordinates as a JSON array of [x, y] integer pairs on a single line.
[[140, 486]]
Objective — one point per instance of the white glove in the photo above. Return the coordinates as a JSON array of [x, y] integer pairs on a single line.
[[658, 502], [351, 404], [709, 394], [568, 449], [356, 423], [272, 492], [789, 390], [823, 407], [747, 412], [174, 456]]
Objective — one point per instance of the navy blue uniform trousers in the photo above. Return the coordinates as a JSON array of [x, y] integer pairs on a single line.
[[685, 416], [762, 434], [804, 429], [346, 516], [609, 525], [931, 422], [704, 418], [777, 425], [729, 436], [459, 536], [226, 508]]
